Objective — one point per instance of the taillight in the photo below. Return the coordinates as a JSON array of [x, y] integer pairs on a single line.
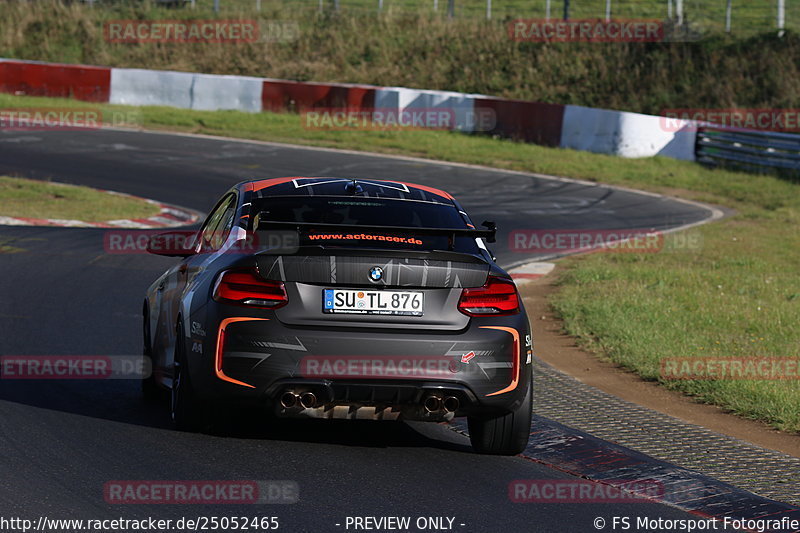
[[246, 287], [497, 297]]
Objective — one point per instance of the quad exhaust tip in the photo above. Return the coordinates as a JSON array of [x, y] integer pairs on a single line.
[[289, 399], [308, 400], [432, 404], [435, 404], [451, 404]]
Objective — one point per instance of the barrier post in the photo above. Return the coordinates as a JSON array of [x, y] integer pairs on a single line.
[[728, 16]]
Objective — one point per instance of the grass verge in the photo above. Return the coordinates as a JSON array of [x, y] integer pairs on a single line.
[[41, 199], [410, 47], [737, 296]]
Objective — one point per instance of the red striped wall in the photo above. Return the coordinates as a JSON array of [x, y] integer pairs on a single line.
[[282, 96], [531, 122], [91, 84]]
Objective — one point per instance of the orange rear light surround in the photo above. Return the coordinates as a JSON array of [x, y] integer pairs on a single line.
[[221, 347], [515, 359]]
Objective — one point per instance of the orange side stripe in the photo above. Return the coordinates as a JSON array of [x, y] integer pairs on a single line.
[[516, 363], [431, 190], [270, 182], [220, 345]]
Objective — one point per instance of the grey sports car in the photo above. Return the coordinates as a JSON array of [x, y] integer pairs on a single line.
[[342, 298]]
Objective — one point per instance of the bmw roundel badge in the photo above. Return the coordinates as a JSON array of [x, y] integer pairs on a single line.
[[376, 273]]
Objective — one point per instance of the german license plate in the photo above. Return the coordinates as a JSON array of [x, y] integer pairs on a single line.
[[409, 303]]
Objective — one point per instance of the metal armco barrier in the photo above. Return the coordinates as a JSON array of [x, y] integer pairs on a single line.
[[750, 149]]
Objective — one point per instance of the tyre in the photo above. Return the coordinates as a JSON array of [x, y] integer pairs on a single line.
[[186, 409], [150, 389], [505, 434]]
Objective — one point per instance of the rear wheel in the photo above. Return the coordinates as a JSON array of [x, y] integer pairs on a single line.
[[186, 408], [506, 434], [150, 390]]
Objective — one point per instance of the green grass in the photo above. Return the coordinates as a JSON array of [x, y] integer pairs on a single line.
[[41, 199], [738, 295]]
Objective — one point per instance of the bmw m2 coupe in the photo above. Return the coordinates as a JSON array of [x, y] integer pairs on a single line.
[[342, 298]]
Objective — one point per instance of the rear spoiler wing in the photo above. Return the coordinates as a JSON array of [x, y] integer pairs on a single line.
[[489, 233]]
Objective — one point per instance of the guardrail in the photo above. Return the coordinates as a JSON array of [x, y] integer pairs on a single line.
[[749, 149]]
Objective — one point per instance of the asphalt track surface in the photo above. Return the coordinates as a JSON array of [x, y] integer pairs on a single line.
[[61, 441]]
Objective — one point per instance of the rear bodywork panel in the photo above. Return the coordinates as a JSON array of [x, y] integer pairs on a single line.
[[379, 366]]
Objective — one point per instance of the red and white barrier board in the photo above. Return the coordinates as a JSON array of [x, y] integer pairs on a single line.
[[625, 134], [532, 122], [33, 78], [581, 128], [283, 95]]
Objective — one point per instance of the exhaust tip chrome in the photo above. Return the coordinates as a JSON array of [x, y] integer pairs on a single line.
[[288, 399], [451, 404], [432, 404], [308, 400]]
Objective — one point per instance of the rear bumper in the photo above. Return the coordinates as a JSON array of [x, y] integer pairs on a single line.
[[373, 399], [367, 372]]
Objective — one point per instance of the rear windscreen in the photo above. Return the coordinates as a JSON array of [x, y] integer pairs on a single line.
[[367, 212]]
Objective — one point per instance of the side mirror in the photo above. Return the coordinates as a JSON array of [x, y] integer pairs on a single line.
[[179, 243]]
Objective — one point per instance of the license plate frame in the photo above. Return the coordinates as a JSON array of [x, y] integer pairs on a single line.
[[373, 302]]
